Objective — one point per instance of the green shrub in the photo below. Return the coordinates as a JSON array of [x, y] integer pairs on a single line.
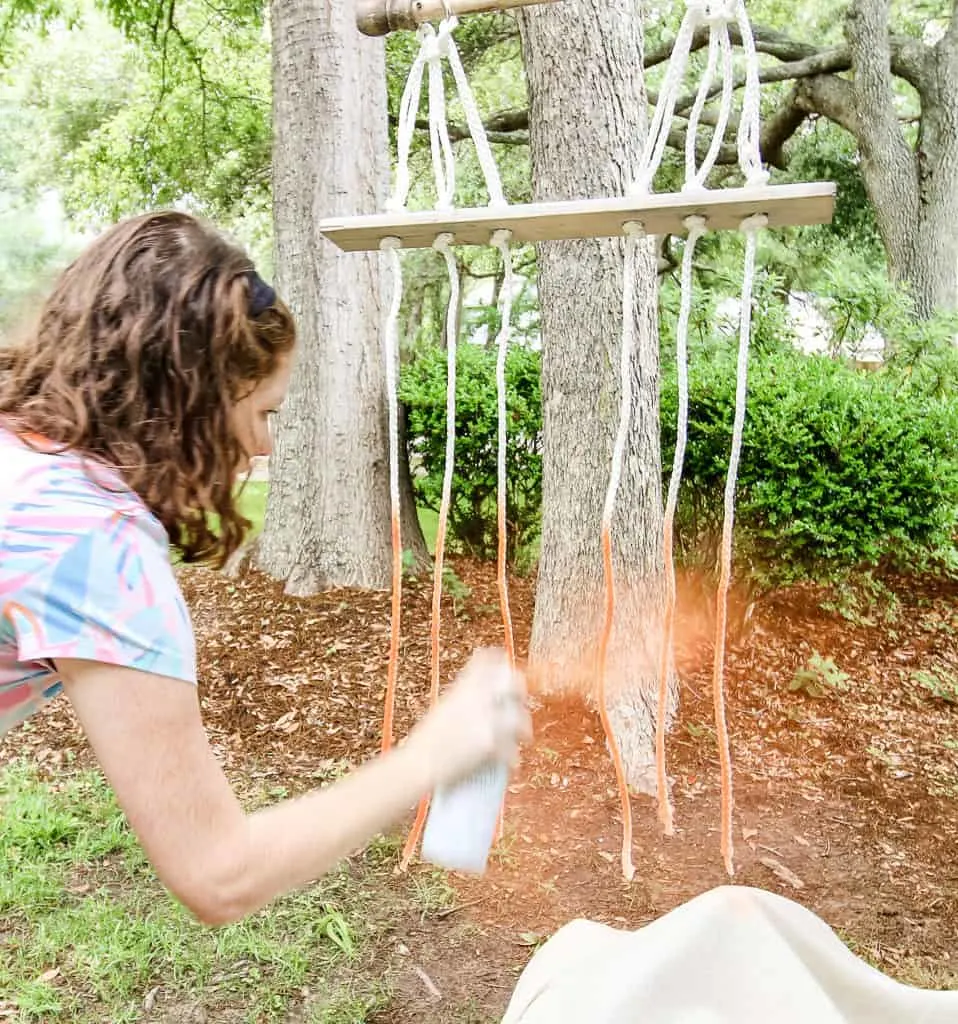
[[839, 469], [472, 515]]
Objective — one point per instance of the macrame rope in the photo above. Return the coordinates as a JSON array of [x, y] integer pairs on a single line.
[[501, 239], [391, 357], [443, 158], [658, 134], [750, 227], [443, 245], [408, 109], [696, 228], [487, 163], [633, 240], [718, 14], [749, 141], [434, 45]]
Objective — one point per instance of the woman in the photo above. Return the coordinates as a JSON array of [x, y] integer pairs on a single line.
[[146, 387]]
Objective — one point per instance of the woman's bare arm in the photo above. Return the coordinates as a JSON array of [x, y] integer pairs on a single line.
[[222, 863]]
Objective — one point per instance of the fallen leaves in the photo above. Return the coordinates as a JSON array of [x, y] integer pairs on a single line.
[[292, 693]]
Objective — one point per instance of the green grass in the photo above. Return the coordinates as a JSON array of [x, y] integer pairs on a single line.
[[86, 931], [429, 522], [252, 503]]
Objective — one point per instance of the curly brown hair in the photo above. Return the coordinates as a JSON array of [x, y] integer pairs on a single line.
[[138, 357]]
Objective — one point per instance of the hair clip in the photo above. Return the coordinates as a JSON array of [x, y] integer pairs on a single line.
[[261, 295]]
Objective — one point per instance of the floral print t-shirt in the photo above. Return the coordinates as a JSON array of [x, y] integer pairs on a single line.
[[84, 573]]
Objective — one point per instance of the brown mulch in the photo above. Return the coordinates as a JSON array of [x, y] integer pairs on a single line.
[[846, 802]]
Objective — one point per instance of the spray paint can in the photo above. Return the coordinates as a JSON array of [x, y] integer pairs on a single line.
[[462, 820]]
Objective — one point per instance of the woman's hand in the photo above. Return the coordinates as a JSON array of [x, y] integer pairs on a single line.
[[224, 863], [481, 717]]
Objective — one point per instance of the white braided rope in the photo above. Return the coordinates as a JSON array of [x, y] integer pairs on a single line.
[[658, 134], [408, 109], [487, 163], [443, 245], [718, 42], [717, 14], [696, 228], [749, 143], [634, 234], [751, 226], [390, 246], [443, 158], [692, 175], [500, 239]]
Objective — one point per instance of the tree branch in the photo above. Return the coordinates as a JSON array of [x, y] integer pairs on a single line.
[[823, 62], [831, 97], [908, 55], [508, 121], [776, 131], [952, 32], [767, 40], [888, 163], [779, 128], [514, 134]]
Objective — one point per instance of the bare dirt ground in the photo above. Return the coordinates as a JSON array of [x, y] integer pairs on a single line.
[[846, 791]]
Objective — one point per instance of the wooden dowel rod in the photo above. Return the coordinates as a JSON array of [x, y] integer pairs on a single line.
[[380, 17]]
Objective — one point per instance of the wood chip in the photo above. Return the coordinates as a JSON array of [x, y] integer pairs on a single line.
[[780, 871], [427, 982]]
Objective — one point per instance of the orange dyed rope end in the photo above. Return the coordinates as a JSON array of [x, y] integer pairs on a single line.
[[415, 833], [661, 768], [628, 869], [721, 726]]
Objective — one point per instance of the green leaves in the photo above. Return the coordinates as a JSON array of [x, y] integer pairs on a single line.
[[840, 469], [472, 518], [820, 677], [118, 121]]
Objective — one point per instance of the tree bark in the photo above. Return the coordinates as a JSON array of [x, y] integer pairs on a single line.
[[587, 122], [933, 270], [327, 521], [912, 190]]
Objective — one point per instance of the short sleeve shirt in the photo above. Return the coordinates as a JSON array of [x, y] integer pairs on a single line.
[[85, 573]]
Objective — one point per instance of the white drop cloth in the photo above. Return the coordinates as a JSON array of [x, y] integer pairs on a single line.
[[734, 955]]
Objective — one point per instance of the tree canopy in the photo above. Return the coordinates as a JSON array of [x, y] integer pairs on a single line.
[[117, 105]]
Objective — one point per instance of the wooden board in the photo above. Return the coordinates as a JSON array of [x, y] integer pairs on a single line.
[[659, 213]]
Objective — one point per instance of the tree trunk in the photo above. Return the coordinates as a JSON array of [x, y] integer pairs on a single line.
[[587, 123], [928, 266], [913, 191], [327, 520], [931, 266]]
